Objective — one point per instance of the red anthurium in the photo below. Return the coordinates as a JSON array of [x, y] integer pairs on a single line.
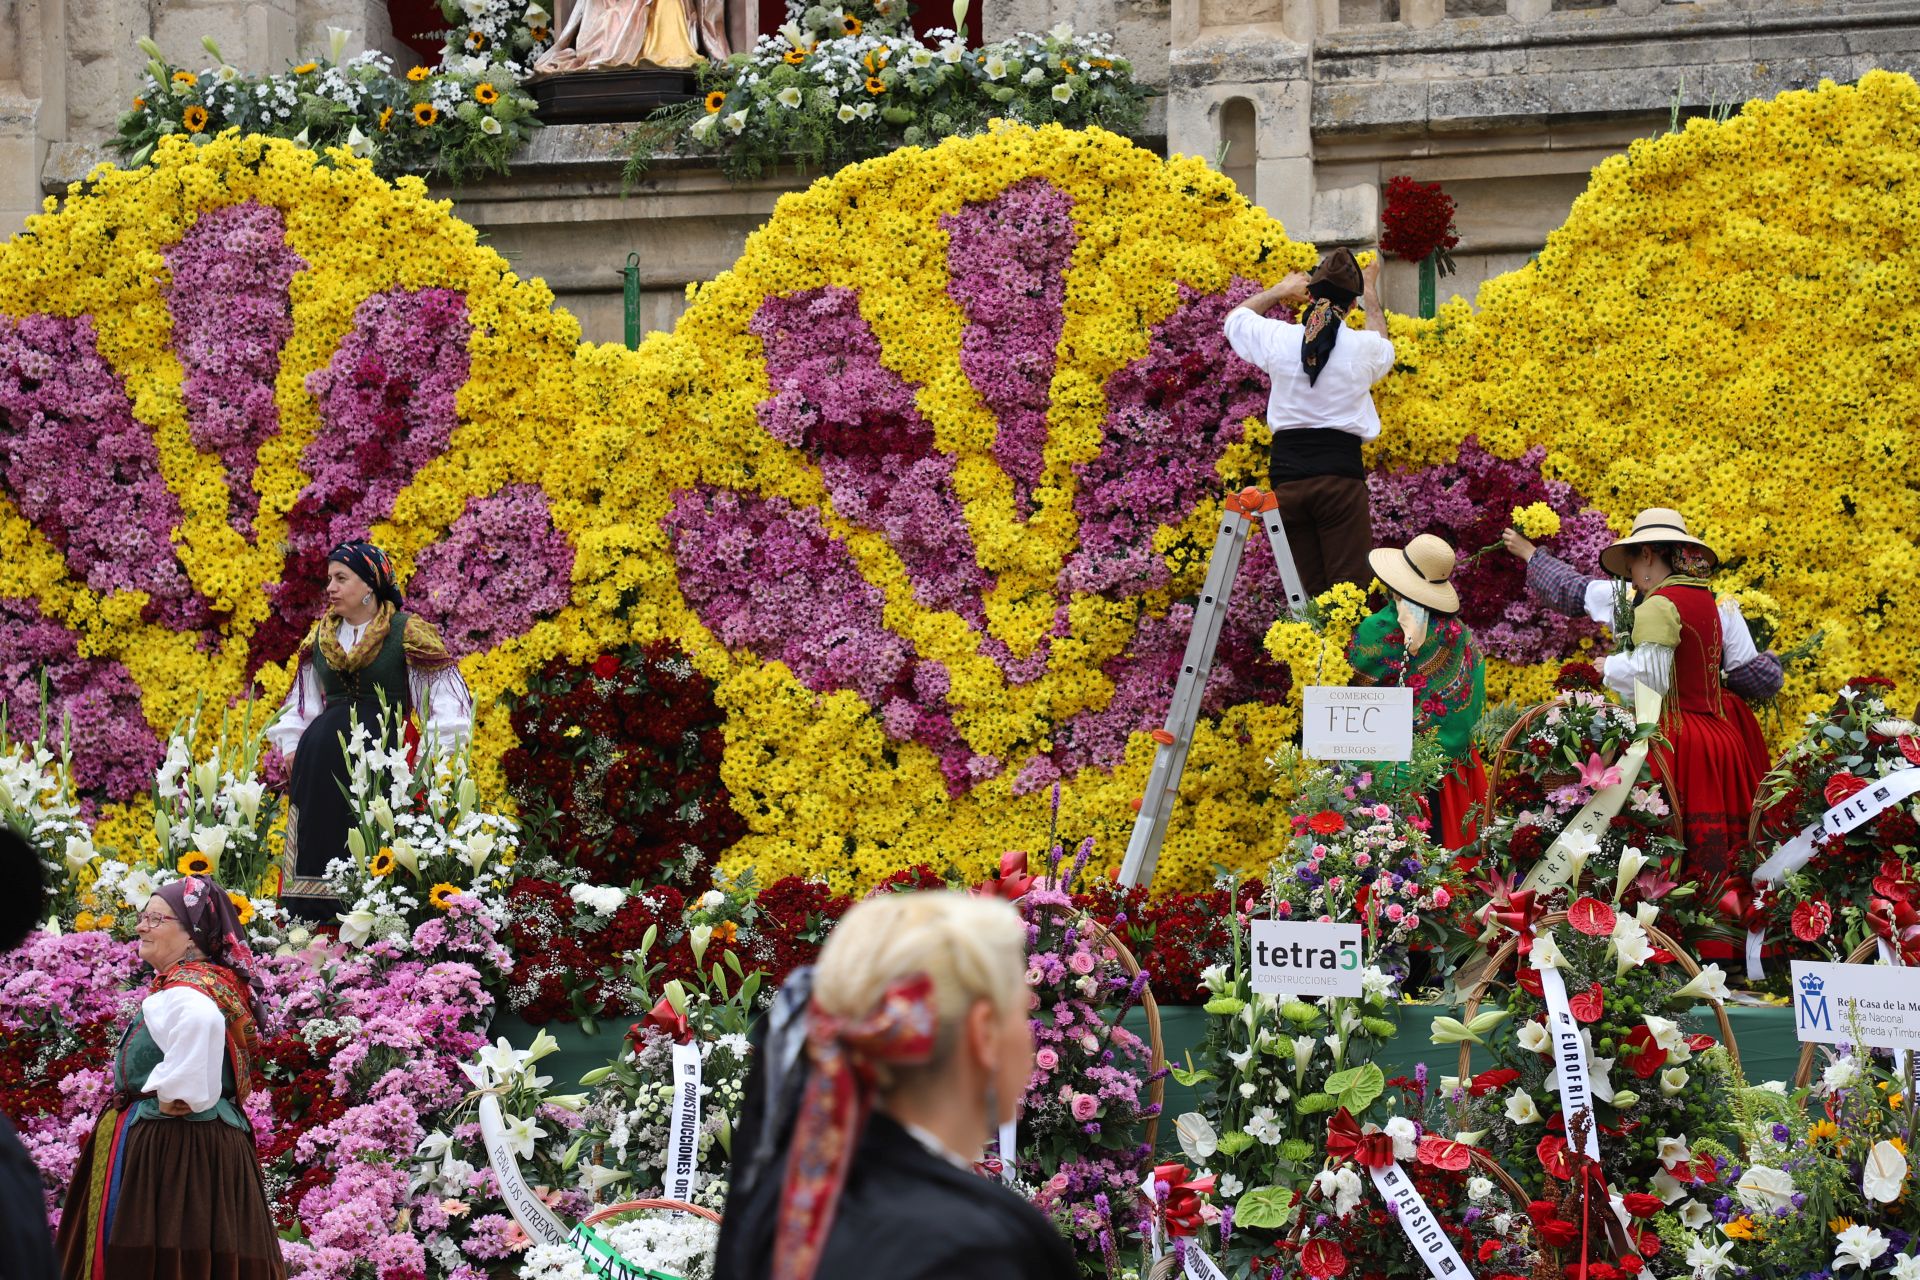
[[1445, 1153], [1842, 785], [1591, 917], [1642, 1053], [1554, 1158], [1323, 1259], [1910, 748], [1529, 979], [1700, 1042], [1588, 1005], [1811, 920], [1660, 955]]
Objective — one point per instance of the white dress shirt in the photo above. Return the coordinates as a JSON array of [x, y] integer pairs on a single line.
[[190, 1030], [1340, 400], [1652, 664]]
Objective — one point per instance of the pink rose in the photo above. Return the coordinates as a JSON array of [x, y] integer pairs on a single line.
[[1413, 920], [1395, 911], [1363, 859], [1081, 962], [1046, 1059], [1441, 897], [1284, 907], [1085, 1107], [1057, 1185]]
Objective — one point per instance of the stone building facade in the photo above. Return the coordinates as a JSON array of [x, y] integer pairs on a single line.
[[1310, 105]]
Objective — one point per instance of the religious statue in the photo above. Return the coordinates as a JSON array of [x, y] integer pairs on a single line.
[[625, 33]]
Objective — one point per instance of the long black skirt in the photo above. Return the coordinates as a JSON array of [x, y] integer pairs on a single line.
[[188, 1203], [318, 818]]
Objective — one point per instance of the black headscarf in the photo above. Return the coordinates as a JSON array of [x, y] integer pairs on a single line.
[[1331, 293], [207, 914], [370, 564]]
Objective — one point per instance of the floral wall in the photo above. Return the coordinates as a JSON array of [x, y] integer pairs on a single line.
[[925, 483]]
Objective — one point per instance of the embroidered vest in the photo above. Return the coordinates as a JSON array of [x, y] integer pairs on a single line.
[[387, 672]]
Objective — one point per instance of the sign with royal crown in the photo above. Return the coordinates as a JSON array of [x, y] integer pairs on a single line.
[[1858, 1004]]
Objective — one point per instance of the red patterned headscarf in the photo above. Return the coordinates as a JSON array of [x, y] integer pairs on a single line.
[[208, 915], [834, 1108]]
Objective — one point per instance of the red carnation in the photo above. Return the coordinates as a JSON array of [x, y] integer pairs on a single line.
[[1489, 1249], [1416, 220], [607, 666], [1811, 920]]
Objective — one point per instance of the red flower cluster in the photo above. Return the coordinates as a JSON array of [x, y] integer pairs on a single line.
[[568, 959], [618, 768], [794, 918], [1417, 220], [1174, 936]]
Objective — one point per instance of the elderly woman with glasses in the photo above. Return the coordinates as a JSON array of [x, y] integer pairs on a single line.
[[169, 1185]]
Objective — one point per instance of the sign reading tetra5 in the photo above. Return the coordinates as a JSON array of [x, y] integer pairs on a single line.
[[1306, 959]]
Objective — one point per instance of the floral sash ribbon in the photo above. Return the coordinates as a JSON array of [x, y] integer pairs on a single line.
[[833, 1112]]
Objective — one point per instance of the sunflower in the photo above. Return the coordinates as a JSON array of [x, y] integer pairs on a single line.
[[441, 896], [538, 33], [485, 94], [242, 907], [850, 24], [425, 114], [874, 85], [186, 78], [194, 118], [476, 40], [794, 57], [383, 863], [139, 104], [715, 101], [306, 67], [386, 118], [194, 864], [418, 74]]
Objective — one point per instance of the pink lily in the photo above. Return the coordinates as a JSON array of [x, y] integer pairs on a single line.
[[1597, 773]]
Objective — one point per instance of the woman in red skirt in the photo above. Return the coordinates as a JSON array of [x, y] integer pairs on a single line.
[[1711, 754]]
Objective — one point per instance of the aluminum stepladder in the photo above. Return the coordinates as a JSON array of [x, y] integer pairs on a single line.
[[1237, 517]]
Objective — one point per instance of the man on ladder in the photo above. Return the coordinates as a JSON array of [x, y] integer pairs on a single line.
[[1320, 409], [1317, 520]]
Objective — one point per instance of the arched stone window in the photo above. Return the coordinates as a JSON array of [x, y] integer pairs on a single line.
[[1239, 135]]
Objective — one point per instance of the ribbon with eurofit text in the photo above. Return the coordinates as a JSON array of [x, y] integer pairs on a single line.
[[1417, 1220], [1576, 1082], [1583, 834], [683, 1139]]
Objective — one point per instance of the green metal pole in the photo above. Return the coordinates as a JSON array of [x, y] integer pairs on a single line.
[[1429, 287], [632, 288]]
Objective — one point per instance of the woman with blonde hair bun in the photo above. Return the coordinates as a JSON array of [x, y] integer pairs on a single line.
[[917, 1047]]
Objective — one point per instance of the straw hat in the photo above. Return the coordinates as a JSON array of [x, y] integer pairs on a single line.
[[1657, 525], [1423, 573]]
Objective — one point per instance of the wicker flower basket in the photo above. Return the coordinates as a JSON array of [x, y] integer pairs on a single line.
[[607, 1213], [1509, 747], [1482, 1162], [1489, 978], [1157, 1090]]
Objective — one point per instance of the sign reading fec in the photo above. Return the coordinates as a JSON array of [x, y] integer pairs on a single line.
[[1306, 959], [1864, 1004], [1339, 722]]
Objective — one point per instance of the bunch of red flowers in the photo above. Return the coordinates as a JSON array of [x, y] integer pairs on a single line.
[[1417, 221], [569, 958], [618, 768]]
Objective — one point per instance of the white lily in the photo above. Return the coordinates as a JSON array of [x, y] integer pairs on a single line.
[[356, 927], [1632, 861], [523, 1134], [1709, 984]]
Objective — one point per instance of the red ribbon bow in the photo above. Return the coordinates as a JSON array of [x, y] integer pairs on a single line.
[[1346, 1142], [665, 1018], [1897, 924], [1181, 1211], [1743, 905], [833, 1112], [1518, 911]]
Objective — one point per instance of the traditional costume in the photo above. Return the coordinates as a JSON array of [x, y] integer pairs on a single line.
[[1712, 755], [394, 662], [1320, 409], [1744, 670], [164, 1197], [864, 1194], [1418, 641]]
